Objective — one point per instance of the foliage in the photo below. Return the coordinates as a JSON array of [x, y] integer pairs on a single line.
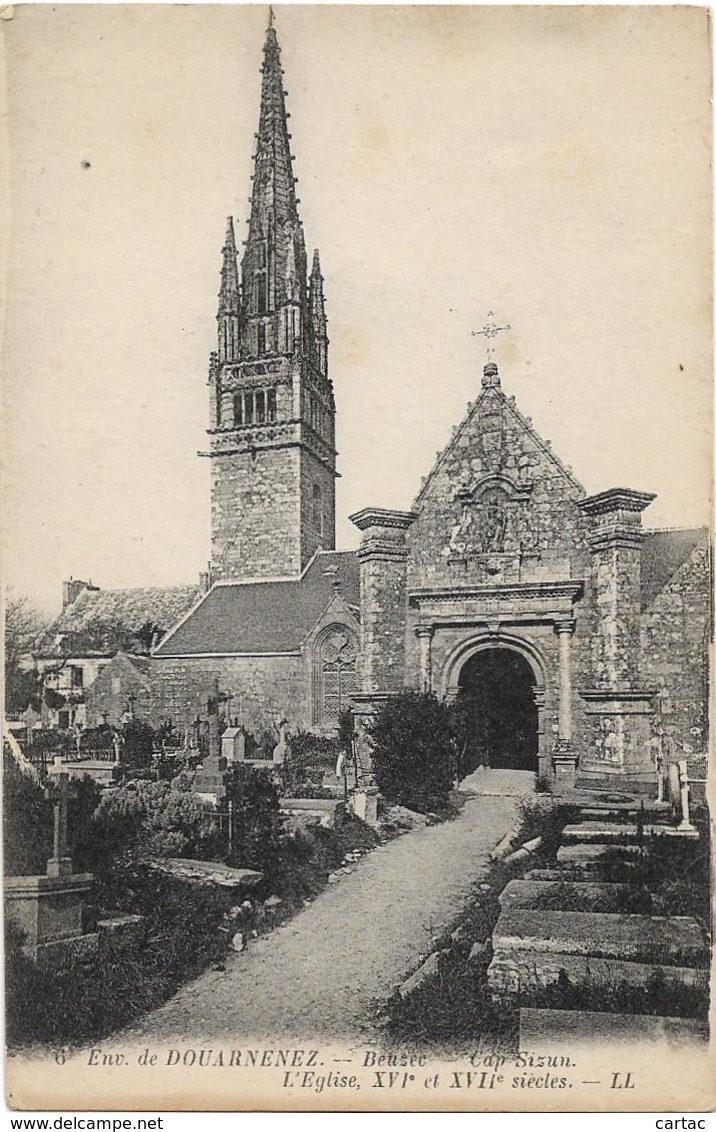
[[137, 744], [27, 823], [307, 758], [659, 995], [414, 757], [90, 999], [260, 743], [155, 819], [146, 635], [99, 738], [257, 822], [50, 742], [23, 625]]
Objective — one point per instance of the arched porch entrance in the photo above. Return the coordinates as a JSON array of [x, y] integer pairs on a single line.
[[497, 689]]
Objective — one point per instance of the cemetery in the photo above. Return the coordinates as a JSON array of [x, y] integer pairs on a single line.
[[591, 904], [193, 853]]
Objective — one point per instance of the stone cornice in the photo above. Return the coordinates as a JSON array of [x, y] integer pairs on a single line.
[[380, 517], [501, 591], [616, 499], [597, 695]]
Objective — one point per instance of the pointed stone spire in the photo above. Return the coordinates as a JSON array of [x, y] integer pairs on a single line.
[[228, 317], [229, 290], [317, 315], [274, 262]]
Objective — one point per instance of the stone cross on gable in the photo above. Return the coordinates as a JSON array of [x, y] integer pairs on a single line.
[[490, 330]]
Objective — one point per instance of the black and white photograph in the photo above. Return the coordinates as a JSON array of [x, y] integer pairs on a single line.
[[357, 465]]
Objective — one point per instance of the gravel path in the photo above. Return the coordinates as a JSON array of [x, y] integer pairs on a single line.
[[324, 971]]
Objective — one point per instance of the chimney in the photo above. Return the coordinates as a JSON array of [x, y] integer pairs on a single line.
[[72, 589]]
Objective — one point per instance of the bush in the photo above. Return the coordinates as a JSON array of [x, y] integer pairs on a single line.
[[257, 821], [99, 738], [414, 757], [155, 819], [307, 759], [27, 823], [90, 999], [137, 744]]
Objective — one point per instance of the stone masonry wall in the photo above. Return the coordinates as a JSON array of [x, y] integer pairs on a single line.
[[255, 501], [317, 532], [537, 530], [675, 640], [263, 689]]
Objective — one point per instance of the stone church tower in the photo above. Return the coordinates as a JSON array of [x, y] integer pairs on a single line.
[[272, 425]]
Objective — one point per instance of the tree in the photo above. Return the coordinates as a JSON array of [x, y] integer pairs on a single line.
[[414, 755], [23, 624]]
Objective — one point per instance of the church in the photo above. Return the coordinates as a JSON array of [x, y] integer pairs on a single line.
[[578, 636]]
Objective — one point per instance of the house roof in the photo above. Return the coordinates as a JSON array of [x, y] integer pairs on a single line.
[[259, 617], [663, 553], [99, 622]]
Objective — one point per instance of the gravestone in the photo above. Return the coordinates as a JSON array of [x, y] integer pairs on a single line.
[[49, 909]]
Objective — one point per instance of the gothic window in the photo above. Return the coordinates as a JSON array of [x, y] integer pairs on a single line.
[[238, 409], [260, 406], [271, 405], [317, 508], [249, 408], [336, 672], [261, 338], [261, 293], [262, 255]]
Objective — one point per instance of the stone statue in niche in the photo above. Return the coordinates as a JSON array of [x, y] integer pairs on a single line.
[[494, 524], [524, 469]]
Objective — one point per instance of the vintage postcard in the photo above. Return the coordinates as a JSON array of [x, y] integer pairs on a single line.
[[356, 734]]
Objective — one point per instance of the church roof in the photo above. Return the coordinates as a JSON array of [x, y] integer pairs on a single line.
[[663, 553], [264, 617], [100, 622]]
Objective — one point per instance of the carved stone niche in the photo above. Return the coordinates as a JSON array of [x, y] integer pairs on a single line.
[[487, 508]]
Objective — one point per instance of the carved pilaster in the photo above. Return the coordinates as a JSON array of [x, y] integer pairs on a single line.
[[424, 633], [383, 557]]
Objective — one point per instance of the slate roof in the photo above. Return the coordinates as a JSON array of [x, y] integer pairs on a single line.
[[99, 622], [265, 616], [662, 554]]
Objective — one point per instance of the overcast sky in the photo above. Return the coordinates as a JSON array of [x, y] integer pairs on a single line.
[[548, 164]]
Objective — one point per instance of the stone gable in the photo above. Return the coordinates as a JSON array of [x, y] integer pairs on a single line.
[[498, 506]]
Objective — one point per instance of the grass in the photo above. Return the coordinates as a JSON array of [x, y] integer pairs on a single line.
[[660, 996], [669, 877], [456, 1001], [186, 933]]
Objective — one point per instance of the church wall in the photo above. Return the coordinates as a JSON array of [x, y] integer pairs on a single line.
[[264, 687], [675, 641]]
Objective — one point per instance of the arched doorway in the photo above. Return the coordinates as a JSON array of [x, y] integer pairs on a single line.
[[497, 689]]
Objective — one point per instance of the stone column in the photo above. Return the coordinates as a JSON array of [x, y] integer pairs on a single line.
[[615, 543], [383, 557], [424, 633], [564, 630], [564, 757], [618, 704]]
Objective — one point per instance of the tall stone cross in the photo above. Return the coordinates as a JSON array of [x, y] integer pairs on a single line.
[[60, 863], [490, 330]]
